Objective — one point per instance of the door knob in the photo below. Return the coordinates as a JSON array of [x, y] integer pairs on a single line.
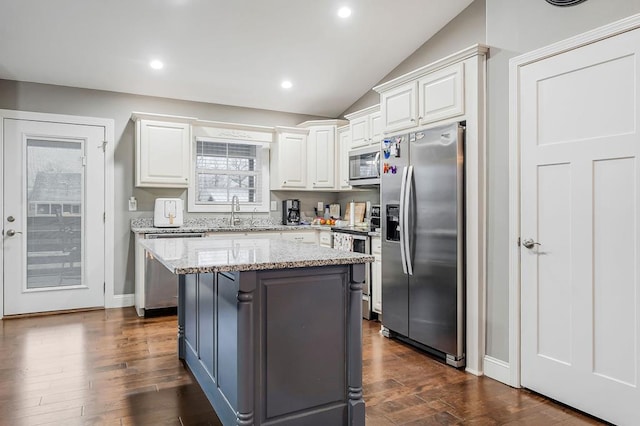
[[11, 232], [529, 243]]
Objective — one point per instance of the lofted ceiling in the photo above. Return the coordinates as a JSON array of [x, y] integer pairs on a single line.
[[233, 52]]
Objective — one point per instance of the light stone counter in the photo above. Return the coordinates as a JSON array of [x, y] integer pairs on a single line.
[[220, 254], [144, 225]]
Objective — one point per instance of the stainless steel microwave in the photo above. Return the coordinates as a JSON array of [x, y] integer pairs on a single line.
[[364, 166]]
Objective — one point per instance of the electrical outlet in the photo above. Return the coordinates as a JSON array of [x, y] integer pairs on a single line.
[[274, 206], [133, 204]]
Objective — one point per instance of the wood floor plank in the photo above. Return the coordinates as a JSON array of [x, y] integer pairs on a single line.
[[113, 368]]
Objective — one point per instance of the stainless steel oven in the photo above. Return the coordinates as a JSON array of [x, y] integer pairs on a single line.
[[361, 244]]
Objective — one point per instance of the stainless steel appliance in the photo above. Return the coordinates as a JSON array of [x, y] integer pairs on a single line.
[[360, 242], [423, 241], [364, 167], [291, 212], [375, 218], [160, 285]]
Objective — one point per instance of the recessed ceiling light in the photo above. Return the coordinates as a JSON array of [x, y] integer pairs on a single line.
[[344, 12], [156, 64], [286, 84]]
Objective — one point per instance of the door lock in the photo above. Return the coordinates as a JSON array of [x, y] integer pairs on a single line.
[[11, 219], [529, 243]]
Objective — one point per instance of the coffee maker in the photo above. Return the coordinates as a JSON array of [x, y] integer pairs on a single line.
[[291, 212]]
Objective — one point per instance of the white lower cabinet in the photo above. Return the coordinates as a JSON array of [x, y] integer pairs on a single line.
[[326, 239], [376, 275], [305, 237]]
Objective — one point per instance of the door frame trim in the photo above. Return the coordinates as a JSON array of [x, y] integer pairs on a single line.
[[513, 368], [110, 300]]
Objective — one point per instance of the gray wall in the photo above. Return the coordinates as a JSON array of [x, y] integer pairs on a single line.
[[466, 29], [118, 106], [515, 27]]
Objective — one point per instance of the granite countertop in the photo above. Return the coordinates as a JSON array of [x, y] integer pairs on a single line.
[[219, 254], [144, 225]]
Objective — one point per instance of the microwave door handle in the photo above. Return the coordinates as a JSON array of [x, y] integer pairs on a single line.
[[401, 219], [377, 163], [407, 229]]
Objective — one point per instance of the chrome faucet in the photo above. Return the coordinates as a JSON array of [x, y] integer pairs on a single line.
[[235, 207]]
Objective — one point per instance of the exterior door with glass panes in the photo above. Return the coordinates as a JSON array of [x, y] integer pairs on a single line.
[[53, 226]]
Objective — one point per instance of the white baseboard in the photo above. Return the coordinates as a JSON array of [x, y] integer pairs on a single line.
[[120, 301], [473, 371], [497, 369]]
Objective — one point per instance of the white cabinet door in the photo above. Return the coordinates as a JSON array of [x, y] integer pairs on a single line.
[[398, 107], [305, 237], [441, 94], [162, 154], [359, 132], [344, 139], [376, 276], [292, 160], [326, 239], [322, 151], [375, 127]]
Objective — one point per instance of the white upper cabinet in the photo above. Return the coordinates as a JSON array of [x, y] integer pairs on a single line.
[[441, 94], [398, 107], [422, 97], [305, 156], [344, 145], [365, 127], [289, 159], [321, 153], [162, 152]]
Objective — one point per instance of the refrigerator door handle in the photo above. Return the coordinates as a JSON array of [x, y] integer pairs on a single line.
[[407, 229], [403, 197]]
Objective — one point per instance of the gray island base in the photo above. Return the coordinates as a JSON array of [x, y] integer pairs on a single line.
[[270, 345]]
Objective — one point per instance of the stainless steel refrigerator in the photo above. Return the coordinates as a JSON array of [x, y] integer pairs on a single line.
[[422, 193]]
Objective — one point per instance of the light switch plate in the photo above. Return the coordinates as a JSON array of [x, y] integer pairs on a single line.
[[274, 206]]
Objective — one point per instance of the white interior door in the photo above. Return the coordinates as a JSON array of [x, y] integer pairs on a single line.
[[53, 225], [580, 192]]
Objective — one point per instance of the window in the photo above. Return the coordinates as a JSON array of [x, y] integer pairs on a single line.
[[224, 169]]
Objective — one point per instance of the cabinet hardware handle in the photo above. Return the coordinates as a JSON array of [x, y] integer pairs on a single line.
[[413, 119], [420, 118]]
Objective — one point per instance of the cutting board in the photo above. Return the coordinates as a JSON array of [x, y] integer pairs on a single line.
[[360, 210]]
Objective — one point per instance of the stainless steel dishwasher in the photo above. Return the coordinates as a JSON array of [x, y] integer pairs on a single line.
[[160, 285]]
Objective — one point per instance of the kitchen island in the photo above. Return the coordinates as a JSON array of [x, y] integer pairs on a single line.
[[271, 329]]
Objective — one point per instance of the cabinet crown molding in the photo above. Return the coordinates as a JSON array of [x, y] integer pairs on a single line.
[[135, 116], [311, 123], [369, 110], [285, 129], [475, 50]]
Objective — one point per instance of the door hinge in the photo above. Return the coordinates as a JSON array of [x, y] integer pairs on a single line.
[[104, 217], [104, 288], [84, 160], [519, 242], [103, 145]]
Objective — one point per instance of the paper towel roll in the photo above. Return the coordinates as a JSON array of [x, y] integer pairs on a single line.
[[352, 213]]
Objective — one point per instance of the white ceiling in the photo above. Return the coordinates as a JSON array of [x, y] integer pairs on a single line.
[[233, 52]]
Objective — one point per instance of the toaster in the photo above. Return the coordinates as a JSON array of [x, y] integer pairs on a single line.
[[168, 213]]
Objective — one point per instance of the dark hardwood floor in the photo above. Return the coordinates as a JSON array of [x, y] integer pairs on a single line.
[[112, 368]]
